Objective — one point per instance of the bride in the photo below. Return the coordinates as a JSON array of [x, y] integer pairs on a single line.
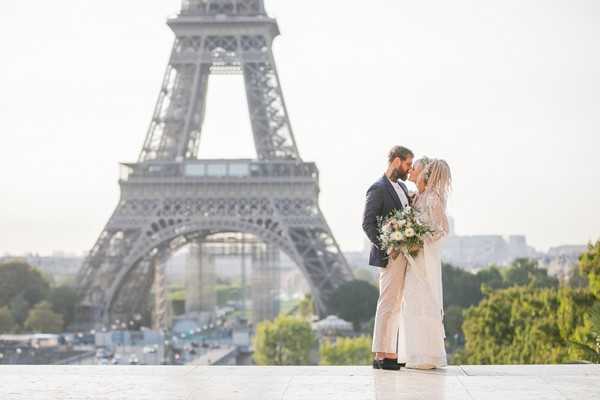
[[421, 334]]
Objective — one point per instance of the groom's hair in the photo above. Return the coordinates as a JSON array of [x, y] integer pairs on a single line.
[[400, 151]]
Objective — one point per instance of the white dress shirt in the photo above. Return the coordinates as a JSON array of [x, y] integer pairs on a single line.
[[401, 193]]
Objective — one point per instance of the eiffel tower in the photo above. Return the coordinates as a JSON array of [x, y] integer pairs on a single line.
[[171, 198]]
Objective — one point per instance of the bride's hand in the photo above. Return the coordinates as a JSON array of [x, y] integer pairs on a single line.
[[429, 238], [394, 254]]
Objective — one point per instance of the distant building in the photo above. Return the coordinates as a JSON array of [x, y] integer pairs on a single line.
[[60, 266], [200, 282], [479, 251], [332, 327], [38, 349], [115, 339], [35, 340], [559, 261], [468, 252], [265, 283], [293, 284], [359, 262], [473, 252]]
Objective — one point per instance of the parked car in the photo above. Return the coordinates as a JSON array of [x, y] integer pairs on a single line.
[[103, 352]]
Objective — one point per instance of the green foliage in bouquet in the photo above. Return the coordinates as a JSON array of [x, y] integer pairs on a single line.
[[402, 231]]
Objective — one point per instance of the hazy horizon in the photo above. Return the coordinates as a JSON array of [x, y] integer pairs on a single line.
[[507, 92]]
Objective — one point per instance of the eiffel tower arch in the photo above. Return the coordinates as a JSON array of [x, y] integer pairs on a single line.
[[170, 197]]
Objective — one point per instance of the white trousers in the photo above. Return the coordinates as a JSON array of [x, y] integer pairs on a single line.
[[391, 292]]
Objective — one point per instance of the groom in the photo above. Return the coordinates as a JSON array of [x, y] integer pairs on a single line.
[[384, 196]]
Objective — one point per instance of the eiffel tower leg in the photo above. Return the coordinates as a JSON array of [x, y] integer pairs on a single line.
[[323, 263], [200, 280], [272, 130], [98, 271], [174, 133], [162, 305], [266, 282]]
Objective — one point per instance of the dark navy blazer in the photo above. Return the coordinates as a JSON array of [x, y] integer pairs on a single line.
[[382, 199]]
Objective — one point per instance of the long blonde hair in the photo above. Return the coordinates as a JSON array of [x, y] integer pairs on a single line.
[[436, 177], [423, 161]]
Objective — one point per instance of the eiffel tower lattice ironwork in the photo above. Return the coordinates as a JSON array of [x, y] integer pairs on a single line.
[[170, 197]]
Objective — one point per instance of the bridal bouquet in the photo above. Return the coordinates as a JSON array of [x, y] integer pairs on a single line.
[[402, 231]]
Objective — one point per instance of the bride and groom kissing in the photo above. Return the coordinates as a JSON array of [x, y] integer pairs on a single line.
[[409, 328]]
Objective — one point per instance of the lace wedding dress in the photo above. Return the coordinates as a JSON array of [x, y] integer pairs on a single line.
[[421, 333]]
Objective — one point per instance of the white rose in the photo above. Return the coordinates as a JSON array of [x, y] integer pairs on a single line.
[[410, 232], [397, 236]]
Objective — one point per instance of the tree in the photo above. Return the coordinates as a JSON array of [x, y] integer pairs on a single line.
[[227, 293], [177, 299], [491, 278], [453, 321], [493, 336], [284, 341], [524, 325], [576, 278], [17, 277], [7, 322], [525, 272], [42, 319], [306, 307], [366, 275], [589, 264], [355, 301], [591, 349], [574, 320], [64, 300], [461, 288], [347, 351], [19, 307], [464, 289]]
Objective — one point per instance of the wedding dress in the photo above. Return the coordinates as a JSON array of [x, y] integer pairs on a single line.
[[421, 329]]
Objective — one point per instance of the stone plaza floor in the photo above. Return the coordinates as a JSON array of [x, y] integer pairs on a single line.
[[580, 382]]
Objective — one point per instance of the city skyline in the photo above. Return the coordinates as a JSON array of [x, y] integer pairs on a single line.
[[516, 119]]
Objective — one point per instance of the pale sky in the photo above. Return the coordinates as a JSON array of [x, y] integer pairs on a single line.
[[508, 92]]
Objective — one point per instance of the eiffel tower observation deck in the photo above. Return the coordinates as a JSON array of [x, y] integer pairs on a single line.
[[223, 7], [171, 198]]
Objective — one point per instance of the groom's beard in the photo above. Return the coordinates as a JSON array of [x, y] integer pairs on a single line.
[[398, 174]]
